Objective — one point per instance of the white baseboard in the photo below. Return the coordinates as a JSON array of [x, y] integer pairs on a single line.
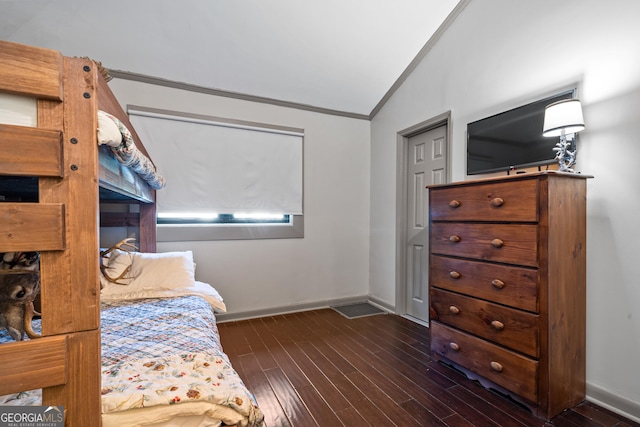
[[381, 304], [229, 317], [613, 402]]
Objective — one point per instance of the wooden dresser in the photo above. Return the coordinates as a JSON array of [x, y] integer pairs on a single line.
[[507, 284]]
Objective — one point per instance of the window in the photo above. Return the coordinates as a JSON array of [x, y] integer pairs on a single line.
[[238, 218], [226, 179]]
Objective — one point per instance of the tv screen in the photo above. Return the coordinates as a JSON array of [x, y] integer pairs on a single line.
[[512, 139]]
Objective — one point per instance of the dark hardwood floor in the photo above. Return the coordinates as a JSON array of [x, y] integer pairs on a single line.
[[320, 368]]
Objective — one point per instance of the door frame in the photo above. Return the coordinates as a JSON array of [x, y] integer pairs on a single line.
[[402, 145]]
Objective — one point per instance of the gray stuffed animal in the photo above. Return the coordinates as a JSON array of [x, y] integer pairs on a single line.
[[18, 288]]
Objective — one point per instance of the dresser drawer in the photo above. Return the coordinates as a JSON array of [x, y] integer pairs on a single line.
[[512, 328], [508, 243], [508, 285], [514, 372], [502, 201]]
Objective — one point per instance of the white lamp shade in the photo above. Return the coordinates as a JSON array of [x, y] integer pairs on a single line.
[[563, 117]]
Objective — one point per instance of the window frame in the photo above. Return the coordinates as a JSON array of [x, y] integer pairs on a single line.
[[210, 232]]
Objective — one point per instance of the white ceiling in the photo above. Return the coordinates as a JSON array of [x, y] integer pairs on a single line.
[[342, 55]]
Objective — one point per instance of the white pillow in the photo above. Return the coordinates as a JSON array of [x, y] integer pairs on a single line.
[[150, 271], [166, 270], [108, 131]]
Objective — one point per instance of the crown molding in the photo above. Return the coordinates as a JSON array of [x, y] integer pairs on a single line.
[[142, 78]]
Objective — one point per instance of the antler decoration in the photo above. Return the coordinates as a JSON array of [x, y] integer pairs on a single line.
[[29, 312], [123, 245]]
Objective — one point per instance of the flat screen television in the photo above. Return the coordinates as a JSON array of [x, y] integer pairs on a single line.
[[512, 139]]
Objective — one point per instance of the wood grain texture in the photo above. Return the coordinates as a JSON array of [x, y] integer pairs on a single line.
[[69, 277], [119, 219], [18, 144], [548, 253], [61, 278], [80, 396], [516, 372], [520, 328], [475, 241], [30, 71], [28, 365], [382, 371], [517, 286], [32, 226], [566, 300], [147, 240], [479, 202]]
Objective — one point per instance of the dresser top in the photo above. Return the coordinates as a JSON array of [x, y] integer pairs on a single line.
[[516, 176]]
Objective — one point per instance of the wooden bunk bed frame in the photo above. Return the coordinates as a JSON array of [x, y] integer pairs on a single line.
[[63, 225]]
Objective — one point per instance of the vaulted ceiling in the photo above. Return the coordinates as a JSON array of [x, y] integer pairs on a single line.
[[341, 55]]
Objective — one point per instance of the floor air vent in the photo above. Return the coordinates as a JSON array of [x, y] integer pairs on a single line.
[[361, 309]]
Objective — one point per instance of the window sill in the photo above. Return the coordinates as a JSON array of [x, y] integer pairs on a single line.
[[209, 232]]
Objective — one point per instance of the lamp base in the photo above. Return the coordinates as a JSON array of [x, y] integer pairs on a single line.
[[565, 157]]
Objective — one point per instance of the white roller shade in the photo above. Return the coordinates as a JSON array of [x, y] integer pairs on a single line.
[[222, 167]]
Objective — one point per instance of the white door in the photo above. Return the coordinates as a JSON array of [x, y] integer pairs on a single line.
[[426, 165]]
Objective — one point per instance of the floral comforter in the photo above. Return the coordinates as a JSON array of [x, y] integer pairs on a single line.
[[166, 352]]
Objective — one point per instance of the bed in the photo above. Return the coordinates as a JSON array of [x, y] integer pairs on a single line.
[[162, 361], [54, 176]]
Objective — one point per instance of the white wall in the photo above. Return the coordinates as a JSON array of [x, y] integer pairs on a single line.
[[499, 54], [331, 261]]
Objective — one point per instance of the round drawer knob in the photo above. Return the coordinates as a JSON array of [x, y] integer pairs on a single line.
[[454, 204], [497, 202], [497, 325], [497, 243], [497, 283], [454, 239], [453, 346], [454, 310], [454, 275], [496, 366]]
